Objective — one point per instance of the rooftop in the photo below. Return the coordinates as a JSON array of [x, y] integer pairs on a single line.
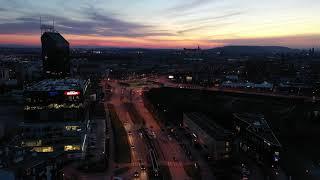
[[209, 126], [259, 126], [16, 158], [56, 37], [58, 84]]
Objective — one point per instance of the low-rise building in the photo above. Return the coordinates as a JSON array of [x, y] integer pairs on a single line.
[[214, 139], [20, 163], [257, 138]]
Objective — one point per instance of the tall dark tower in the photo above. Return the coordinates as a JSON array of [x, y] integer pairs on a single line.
[[55, 53]]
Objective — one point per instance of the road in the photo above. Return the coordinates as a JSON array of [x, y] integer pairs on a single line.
[[170, 149], [138, 150], [170, 152]]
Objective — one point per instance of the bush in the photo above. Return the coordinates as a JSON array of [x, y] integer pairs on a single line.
[[121, 144]]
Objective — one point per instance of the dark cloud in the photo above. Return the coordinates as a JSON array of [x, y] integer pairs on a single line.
[[19, 28], [96, 23]]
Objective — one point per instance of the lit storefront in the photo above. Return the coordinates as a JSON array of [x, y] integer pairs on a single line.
[[45, 149]]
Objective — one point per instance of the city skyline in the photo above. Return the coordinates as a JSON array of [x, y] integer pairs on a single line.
[[164, 24]]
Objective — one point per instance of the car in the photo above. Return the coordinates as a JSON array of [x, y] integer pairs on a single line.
[[142, 167], [156, 173], [136, 174], [141, 135], [196, 165], [154, 135]]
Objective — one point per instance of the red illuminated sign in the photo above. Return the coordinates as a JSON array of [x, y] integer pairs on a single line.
[[72, 93]]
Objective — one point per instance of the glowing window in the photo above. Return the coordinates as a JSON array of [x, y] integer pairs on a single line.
[[72, 148], [71, 128], [227, 144], [43, 149], [31, 143]]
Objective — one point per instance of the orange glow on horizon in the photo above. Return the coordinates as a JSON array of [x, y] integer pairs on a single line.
[[158, 42], [102, 41]]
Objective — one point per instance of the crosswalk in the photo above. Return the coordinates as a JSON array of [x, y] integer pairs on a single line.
[[174, 164], [135, 164]]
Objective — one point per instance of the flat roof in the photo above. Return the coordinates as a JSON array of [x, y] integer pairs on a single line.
[[58, 84], [209, 126], [28, 161], [56, 37], [259, 126]]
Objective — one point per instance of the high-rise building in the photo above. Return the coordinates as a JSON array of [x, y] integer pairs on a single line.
[[56, 116], [55, 54]]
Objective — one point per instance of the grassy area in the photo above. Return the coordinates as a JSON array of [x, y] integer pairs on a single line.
[[192, 172], [122, 147]]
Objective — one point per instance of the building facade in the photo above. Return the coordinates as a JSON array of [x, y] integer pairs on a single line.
[[56, 116], [257, 138], [214, 139], [55, 55]]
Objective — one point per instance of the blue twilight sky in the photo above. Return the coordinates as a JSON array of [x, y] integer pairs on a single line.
[[164, 23]]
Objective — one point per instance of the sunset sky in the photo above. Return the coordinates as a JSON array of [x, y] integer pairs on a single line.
[[164, 23]]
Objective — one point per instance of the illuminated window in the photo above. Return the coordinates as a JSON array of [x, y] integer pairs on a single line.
[[31, 143], [43, 149], [227, 144], [72, 148], [71, 128]]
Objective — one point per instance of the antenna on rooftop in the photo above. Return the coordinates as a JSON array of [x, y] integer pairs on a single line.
[[46, 27], [40, 25]]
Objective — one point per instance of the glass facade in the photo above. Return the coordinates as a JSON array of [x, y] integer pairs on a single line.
[[55, 54]]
